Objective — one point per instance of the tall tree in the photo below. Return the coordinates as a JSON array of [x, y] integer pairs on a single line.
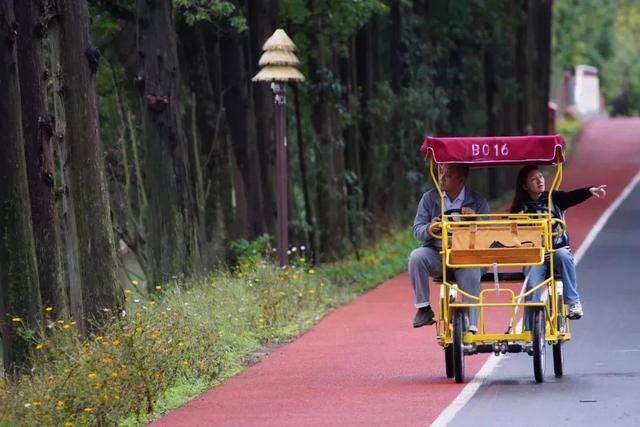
[[19, 288], [85, 165], [262, 14], [238, 104], [33, 17], [210, 159], [167, 158]]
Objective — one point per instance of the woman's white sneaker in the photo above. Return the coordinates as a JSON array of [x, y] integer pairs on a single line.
[[575, 311]]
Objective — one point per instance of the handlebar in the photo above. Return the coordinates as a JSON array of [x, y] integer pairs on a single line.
[[433, 225], [561, 229]]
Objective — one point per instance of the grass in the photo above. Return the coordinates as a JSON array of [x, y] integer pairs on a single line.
[[569, 129], [189, 336]]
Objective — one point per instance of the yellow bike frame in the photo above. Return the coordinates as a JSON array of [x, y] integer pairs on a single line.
[[448, 289]]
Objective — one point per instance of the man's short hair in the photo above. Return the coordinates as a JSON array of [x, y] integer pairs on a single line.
[[463, 169]]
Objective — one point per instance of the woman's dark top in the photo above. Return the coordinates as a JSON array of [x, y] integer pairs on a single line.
[[562, 200]]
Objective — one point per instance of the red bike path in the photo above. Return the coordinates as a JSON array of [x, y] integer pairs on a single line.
[[363, 364]]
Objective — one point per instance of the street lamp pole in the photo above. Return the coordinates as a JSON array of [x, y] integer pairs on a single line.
[[282, 169], [279, 66]]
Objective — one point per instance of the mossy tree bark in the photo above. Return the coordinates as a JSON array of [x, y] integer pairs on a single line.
[[19, 289], [94, 241], [38, 126], [168, 177]]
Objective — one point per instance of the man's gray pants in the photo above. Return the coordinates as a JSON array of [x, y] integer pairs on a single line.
[[427, 261]]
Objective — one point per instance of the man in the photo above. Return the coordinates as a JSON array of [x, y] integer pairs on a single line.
[[426, 261]]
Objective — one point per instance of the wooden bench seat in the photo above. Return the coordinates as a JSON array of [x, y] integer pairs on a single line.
[[509, 244]]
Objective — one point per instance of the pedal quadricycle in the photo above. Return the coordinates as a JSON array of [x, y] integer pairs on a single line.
[[503, 245]]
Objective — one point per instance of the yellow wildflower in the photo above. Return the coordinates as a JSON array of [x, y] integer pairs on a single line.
[[16, 319], [115, 342], [48, 309], [87, 410], [39, 346], [92, 375], [158, 287], [135, 282]]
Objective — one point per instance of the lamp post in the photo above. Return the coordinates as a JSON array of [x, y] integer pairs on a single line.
[[278, 64]]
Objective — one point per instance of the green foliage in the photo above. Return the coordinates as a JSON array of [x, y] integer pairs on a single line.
[[582, 32], [568, 128], [621, 73], [246, 254], [211, 10], [335, 20], [585, 32]]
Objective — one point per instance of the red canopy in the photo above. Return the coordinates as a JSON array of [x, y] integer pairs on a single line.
[[495, 150]]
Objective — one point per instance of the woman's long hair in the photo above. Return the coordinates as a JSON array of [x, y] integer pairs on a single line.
[[521, 194]]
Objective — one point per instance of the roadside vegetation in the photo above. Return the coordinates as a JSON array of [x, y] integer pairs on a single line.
[[171, 345]]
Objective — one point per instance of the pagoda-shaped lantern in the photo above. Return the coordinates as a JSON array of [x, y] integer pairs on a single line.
[[279, 64]]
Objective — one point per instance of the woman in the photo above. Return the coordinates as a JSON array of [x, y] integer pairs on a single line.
[[530, 197]]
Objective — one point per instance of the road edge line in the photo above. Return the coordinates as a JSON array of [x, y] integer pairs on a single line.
[[472, 387], [467, 392], [604, 218]]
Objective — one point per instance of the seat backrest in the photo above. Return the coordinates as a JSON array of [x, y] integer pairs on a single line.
[[495, 236]]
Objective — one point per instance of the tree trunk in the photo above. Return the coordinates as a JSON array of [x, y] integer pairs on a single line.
[[331, 198], [239, 113], [310, 218], [262, 14], [86, 175], [369, 164], [223, 168], [540, 23], [67, 233], [38, 126], [19, 288], [208, 161], [167, 167]]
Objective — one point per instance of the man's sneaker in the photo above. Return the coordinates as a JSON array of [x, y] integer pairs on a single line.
[[424, 316], [575, 311], [473, 329]]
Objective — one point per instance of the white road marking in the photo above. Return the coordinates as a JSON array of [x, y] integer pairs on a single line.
[[467, 392], [472, 387]]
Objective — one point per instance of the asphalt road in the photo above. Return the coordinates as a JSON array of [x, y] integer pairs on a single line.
[[601, 385]]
